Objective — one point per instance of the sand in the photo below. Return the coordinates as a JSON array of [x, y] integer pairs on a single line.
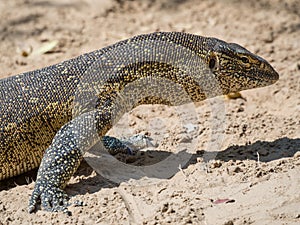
[[222, 161]]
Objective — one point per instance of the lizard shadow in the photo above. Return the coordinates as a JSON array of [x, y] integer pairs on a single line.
[[267, 151], [87, 181]]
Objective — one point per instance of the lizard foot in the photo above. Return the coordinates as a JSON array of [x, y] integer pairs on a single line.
[[115, 146], [51, 198], [127, 145]]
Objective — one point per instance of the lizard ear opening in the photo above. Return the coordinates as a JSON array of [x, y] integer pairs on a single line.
[[212, 61]]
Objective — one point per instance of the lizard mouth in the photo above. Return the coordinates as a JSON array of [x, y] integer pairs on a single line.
[[270, 76], [269, 73], [266, 75]]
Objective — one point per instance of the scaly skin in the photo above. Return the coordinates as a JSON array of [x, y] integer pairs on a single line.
[[43, 120]]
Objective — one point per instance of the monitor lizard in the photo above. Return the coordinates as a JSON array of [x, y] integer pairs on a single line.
[[45, 123]]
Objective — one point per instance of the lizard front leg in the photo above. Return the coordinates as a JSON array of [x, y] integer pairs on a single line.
[[63, 157]]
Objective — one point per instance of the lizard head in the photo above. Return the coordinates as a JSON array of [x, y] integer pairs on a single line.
[[237, 69]]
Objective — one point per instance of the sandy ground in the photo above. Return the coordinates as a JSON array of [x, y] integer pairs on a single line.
[[244, 154]]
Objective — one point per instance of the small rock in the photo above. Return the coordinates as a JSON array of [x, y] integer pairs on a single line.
[[188, 221], [168, 219], [78, 203], [216, 164], [200, 160], [240, 109], [297, 154], [237, 169], [297, 216], [183, 138], [259, 174], [230, 222], [234, 169], [165, 207], [190, 127], [8, 219]]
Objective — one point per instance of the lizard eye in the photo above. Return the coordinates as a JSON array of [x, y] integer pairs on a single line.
[[245, 60]]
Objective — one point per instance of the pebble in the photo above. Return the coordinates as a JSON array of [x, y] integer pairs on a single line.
[[216, 164], [183, 138], [230, 222], [297, 155], [190, 127], [234, 169], [237, 169], [165, 207]]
